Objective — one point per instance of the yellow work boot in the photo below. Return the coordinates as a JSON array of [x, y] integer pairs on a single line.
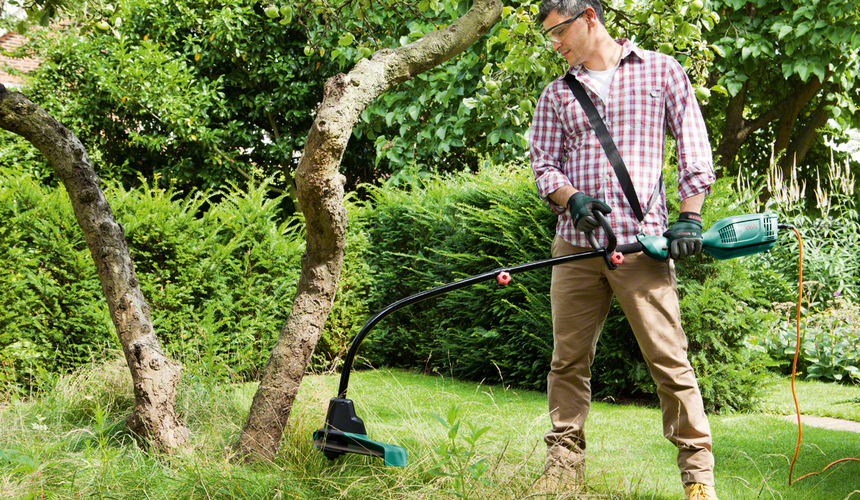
[[699, 491]]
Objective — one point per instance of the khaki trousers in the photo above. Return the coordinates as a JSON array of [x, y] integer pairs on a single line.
[[581, 294]]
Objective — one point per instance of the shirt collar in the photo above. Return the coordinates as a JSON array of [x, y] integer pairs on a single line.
[[627, 48]]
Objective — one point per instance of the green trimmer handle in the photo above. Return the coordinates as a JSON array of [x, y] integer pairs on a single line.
[[656, 247]]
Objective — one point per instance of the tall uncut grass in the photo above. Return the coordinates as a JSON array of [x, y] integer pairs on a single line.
[[71, 443]]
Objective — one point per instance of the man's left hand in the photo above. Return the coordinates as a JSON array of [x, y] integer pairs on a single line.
[[685, 236]]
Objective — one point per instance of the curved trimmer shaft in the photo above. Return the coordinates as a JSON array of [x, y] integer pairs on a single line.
[[612, 254], [728, 238], [345, 433]]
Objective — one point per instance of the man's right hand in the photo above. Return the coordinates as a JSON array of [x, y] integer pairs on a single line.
[[582, 209]]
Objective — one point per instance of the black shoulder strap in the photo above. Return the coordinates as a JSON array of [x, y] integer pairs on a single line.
[[611, 150]]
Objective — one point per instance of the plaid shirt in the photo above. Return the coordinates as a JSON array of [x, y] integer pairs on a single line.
[[649, 92]]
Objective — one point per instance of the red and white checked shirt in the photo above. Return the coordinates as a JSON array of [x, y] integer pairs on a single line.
[[649, 92]]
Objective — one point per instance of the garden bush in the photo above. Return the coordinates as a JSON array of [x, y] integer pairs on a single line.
[[218, 269], [445, 229], [829, 343]]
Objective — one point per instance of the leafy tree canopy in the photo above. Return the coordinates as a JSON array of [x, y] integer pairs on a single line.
[[787, 67], [206, 92], [201, 91]]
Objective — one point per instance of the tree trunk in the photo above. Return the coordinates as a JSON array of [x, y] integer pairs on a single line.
[[796, 151], [155, 376], [792, 111], [737, 129], [734, 131], [320, 193]]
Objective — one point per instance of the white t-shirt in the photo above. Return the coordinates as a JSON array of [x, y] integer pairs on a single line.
[[602, 80]]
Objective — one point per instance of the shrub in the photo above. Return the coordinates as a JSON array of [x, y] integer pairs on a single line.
[[220, 282], [446, 229], [829, 342], [52, 314], [15, 150]]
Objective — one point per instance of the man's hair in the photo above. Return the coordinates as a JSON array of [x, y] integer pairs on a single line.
[[569, 8]]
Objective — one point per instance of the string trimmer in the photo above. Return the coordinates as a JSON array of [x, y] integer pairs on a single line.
[[344, 432]]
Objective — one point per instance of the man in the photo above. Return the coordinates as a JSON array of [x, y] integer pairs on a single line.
[[639, 94]]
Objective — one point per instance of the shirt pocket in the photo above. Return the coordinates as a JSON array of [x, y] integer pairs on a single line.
[[575, 124], [645, 108]]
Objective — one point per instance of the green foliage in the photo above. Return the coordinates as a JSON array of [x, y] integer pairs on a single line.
[[675, 28], [40, 12], [468, 224], [52, 312], [800, 37], [219, 283], [479, 103], [831, 285], [830, 242], [195, 93], [17, 151], [720, 311], [448, 230], [791, 68], [830, 235], [457, 461], [829, 343]]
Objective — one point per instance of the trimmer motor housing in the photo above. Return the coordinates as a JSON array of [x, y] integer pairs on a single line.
[[728, 238], [741, 235]]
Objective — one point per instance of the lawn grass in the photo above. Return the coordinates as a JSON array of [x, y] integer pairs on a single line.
[[821, 399], [82, 451]]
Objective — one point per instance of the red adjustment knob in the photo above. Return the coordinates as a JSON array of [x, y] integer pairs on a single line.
[[503, 278], [617, 258]]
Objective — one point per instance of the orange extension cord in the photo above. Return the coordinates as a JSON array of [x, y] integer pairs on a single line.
[[794, 372]]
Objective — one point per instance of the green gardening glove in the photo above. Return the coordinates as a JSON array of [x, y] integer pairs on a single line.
[[685, 236], [582, 209]]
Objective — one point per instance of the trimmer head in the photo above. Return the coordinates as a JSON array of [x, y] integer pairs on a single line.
[[344, 433]]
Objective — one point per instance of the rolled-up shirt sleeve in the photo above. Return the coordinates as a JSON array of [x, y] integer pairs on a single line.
[[546, 139], [695, 160]]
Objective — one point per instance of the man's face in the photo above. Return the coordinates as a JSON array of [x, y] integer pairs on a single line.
[[568, 34]]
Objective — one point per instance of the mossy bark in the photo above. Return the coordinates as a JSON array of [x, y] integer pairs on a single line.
[[320, 193], [155, 376]]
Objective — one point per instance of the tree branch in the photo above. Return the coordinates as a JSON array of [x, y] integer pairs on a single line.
[[780, 108]]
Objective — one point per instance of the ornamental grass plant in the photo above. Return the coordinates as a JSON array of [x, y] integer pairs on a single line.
[[830, 232]]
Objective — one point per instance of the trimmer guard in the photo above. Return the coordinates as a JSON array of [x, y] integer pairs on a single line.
[[344, 433], [334, 443]]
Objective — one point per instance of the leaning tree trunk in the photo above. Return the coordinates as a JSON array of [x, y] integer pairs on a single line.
[[155, 376], [320, 193]]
